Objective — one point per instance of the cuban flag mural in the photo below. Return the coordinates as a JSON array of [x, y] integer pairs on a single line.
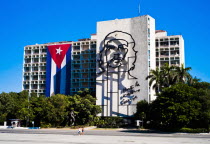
[[58, 72]]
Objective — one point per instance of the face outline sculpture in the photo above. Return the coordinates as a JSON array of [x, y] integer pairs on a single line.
[[118, 49], [114, 51]]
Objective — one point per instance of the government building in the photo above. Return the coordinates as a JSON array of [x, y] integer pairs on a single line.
[[113, 63]]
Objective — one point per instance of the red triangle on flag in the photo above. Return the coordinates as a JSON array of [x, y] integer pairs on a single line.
[[58, 53]]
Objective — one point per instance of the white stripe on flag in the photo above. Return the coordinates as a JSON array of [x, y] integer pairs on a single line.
[[63, 77], [53, 79]]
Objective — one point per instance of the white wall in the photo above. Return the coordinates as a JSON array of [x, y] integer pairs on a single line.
[[161, 34], [109, 89]]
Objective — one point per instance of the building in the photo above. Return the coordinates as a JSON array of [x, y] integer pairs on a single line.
[[113, 64], [169, 49], [126, 53], [82, 69]]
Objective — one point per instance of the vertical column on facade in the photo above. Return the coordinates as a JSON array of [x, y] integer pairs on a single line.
[[158, 51], [179, 46], [169, 51], [30, 69], [79, 70], [148, 45], [89, 65], [39, 71]]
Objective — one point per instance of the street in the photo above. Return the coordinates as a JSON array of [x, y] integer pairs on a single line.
[[46, 136]]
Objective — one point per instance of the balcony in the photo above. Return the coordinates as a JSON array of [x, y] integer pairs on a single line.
[[85, 47], [164, 54], [173, 55], [42, 68], [162, 63], [35, 69], [76, 57], [42, 86], [75, 85], [42, 77], [85, 66], [44, 51], [26, 69], [36, 51], [93, 75], [85, 56], [27, 61], [35, 60], [84, 84], [27, 52], [43, 59], [93, 46], [85, 75], [76, 48], [34, 87], [26, 87]]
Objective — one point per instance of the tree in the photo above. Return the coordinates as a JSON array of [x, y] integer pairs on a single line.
[[40, 108], [58, 110], [193, 81], [84, 108], [143, 111], [7, 105], [168, 75], [155, 79], [22, 105], [182, 74], [49, 111], [142, 107], [177, 106]]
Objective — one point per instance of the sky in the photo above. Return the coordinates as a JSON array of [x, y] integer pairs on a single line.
[[27, 22]]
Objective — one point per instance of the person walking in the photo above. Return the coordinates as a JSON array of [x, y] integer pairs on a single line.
[[83, 130], [79, 131]]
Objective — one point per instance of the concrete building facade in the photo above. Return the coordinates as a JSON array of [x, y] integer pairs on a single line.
[[169, 49], [83, 66], [125, 54]]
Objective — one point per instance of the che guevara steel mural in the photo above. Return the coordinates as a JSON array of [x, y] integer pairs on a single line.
[[115, 58], [119, 49]]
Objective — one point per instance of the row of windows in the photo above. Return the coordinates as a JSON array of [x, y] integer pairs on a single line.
[[166, 53], [36, 51], [35, 47], [167, 43], [172, 58], [83, 84], [174, 62], [84, 47], [168, 39]]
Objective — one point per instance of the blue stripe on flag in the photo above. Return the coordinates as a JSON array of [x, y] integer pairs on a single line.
[[57, 78], [68, 71]]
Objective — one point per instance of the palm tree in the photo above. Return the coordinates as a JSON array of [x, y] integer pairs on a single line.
[[192, 81], [168, 75], [182, 73], [155, 79]]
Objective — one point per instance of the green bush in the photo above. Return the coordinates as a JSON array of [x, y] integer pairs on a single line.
[[110, 122], [78, 126], [190, 130], [46, 125]]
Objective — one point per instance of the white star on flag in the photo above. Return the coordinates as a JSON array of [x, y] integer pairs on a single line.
[[58, 51]]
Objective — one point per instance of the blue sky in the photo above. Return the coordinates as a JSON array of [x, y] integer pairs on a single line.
[[27, 22]]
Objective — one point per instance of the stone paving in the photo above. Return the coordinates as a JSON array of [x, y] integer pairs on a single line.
[[16, 138]]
